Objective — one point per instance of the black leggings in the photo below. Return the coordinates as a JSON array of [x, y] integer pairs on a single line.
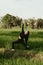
[[17, 42]]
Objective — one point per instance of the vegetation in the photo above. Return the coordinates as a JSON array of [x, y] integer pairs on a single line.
[[40, 23], [10, 21], [32, 56]]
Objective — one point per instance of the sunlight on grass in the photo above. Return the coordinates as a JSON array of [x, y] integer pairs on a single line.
[[34, 56]]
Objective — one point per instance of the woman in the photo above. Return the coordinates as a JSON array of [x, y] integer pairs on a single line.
[[23, 38]]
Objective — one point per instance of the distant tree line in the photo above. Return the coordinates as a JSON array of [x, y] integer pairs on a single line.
[[9, 21], [34, 23]]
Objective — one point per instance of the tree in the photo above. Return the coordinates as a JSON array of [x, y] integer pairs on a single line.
[[39, 23], [32, 23], [10, 21]]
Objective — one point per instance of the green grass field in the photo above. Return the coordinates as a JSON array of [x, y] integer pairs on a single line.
[[34, 56]]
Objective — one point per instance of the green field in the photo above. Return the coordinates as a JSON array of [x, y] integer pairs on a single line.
[[32, 56]]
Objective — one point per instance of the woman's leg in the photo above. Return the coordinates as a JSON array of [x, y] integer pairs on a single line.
[[16, 42]]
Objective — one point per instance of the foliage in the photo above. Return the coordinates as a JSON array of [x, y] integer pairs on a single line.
[[39, 23], [10, 21], [26, 22], [32, 23]]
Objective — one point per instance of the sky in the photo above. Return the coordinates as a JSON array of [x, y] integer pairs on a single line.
[[22, 8]]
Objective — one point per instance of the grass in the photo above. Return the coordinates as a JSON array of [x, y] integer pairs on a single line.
[[21, 56]]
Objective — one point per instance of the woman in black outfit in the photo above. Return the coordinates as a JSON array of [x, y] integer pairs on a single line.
[[23, 38]]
